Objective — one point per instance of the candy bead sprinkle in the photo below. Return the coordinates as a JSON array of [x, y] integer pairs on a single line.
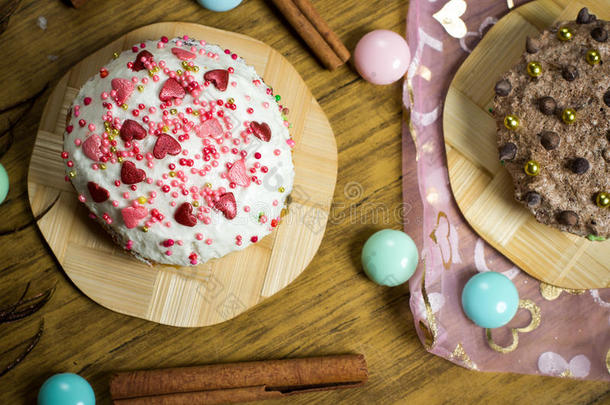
[[603, 200], [511, 122], [565, 34], [532, 168], [568, 116], [593, 57], [534, 69]]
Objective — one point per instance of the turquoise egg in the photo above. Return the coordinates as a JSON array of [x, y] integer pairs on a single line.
[[389, 257], [219, 5], [66, 389], [3, 183], [490, 299]]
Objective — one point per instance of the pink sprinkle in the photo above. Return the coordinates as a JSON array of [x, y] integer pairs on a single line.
[[179, 242], [275, 203], [168, 252], [208, 241], [126, 195], [91, 127], [115, 203], [104, 95], [290, 143], [178, 43], [164, 39], [266, 104], [246, 208], [173, 203], [277, 152], [199, 236], [77, 142], [81, 198], [95, 166]]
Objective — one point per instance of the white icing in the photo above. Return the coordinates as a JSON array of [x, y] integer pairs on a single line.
[[222, 231]]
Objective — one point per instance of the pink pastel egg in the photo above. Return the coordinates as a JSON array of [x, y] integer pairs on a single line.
[[382, 56]]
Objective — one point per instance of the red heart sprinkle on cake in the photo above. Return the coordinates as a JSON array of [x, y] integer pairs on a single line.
[[138, 64], [130, 174], [261, 131], [133, 215], [171, 89], [238, 175], [184, 215], [98, 193], [131, 129], [182, 54], [91, 147], [226, 205], [210, 127], [218, 77], [166, 145], [123, 88]]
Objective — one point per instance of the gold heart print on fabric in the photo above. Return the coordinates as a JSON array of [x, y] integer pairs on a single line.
[[534, 311], [550, 292], [446, 263]]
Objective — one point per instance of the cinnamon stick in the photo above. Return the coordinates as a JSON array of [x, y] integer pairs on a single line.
[[322, 27], [248, 381], [309, 33]]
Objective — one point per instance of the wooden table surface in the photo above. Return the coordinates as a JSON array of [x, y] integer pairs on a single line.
[[331, 308]]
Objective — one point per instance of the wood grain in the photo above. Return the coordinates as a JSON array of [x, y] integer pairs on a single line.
[[482, 186], [330, 308], [219, 289]]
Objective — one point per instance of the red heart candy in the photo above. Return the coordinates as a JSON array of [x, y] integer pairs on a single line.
[[133, 215], [138, 64], [238, 175], [166, 144], [182, 54], [123, 88], [98, 193], [261, 131], [131, 129], [219, 77], [226, 205], [130, 174], [184, 215], [171, 89], [210, 127], [91, 147]]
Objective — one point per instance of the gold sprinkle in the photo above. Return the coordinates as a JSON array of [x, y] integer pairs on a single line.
[[115, 55], [106, 125], [72, 173], [120, 159], [173, 111], [151, 73], [124, 106], [113, 149], [179, 72], [156, 69], [231, 100], [281, 189], [165, 128], [144, 229], [111, 137], [208, 185], [115, 132], [140, 88], [172, 174], [195, 204], [103, 166], [195, 68], [185, 64], [196, 113], [142, 200]]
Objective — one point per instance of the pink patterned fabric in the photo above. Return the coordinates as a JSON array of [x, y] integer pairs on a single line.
[[573, 335]]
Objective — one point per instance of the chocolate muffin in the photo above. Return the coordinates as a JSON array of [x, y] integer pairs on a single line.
[[552, 111]]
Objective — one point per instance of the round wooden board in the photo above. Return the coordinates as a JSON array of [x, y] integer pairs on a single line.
[[482, 187], [219, 289]]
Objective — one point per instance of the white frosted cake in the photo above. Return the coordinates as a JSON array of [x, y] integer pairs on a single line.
[[180, 150]]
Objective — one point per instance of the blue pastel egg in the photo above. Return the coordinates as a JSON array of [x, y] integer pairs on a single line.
[[490, 299], [219, 5], [389, 257], [66, 389], [3, 183]]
